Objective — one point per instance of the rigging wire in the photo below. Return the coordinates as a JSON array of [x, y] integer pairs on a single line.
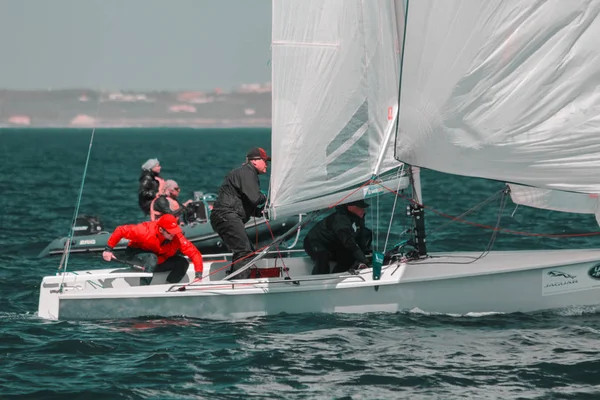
[[387, 236], [469, 211], [67, 249], [70, 238], [301, 224], [503, 230]]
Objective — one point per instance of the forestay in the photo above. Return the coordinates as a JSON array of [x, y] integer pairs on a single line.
[[503, 89], [335, 75]]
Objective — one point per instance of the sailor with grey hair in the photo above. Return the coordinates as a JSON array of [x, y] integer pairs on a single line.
[[151, 163], [151, 184], [168, 202]]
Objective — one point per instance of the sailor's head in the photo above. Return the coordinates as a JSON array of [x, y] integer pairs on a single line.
[[358, 207], [151, 165], [168, 226], [171, 188], [258, 157]]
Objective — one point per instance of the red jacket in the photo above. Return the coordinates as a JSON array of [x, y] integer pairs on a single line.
[[146, 236]]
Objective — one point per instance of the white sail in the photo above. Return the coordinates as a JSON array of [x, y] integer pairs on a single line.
[[546, 199], [335, 75], [503, 89]]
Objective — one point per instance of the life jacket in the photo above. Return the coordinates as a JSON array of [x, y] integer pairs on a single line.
[[173, 205], [161, 184]]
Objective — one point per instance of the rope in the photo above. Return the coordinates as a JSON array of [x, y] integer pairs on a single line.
[[509, 231], [285, 269], [64, 254], [256, 233], [387, 236], [494, 236], [301, 225], [469, 211], [69, 240], [376, 225], [488, 248]]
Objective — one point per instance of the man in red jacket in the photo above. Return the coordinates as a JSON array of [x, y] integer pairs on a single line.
[[154, 244]]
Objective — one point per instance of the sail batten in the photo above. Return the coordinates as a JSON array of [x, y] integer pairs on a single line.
[[503, 89], [335, 72]]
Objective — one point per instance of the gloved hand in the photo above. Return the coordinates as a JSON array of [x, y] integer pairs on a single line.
[[355, 270], [198, 275], [262, 205]]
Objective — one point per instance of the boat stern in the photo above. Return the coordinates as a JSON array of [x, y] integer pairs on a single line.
[[49, 298]]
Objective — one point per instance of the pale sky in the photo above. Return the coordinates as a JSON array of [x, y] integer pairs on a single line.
[[134, 44]]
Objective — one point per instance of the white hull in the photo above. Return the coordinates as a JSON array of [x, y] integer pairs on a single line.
[[516, 281]]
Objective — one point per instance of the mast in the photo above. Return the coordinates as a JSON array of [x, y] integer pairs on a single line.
[[417, 211]]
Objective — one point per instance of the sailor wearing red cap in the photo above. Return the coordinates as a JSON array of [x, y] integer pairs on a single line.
[[155, 244]]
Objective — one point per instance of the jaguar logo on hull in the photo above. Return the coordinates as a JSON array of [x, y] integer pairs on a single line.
[[563, 274], [560, 279]]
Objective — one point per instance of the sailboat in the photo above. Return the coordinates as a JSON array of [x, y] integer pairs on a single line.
[[364, 95]]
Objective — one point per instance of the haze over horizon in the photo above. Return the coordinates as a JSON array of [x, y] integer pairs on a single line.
[[142, 45]]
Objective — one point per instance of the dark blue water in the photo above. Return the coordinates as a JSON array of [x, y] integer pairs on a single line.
[[410, 355]]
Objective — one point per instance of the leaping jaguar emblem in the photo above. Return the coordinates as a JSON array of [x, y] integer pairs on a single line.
[[560, 273]]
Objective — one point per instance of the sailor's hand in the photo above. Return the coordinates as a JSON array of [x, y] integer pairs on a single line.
[[198, 277], [355, 269], [108, 255], [187, 203]]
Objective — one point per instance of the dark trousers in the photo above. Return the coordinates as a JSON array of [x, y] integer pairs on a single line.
[[321, 258], [178, 265], [232, 231]]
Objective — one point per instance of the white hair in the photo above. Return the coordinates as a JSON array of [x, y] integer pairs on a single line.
[[151, 163]]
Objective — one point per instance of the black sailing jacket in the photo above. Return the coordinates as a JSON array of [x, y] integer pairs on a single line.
[[147, 190], [341, 231], [240, 194]]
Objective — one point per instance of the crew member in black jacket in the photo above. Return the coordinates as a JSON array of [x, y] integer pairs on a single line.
[[151, 184], [342, 238], [239, 199]]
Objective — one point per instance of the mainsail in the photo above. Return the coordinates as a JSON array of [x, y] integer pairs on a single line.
[[335, 76], [503, 89]]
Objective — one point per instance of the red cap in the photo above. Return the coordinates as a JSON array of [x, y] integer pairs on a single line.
[[170, 224], [257, 153]]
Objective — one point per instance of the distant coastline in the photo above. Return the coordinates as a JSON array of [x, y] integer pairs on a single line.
[[247, 106]]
